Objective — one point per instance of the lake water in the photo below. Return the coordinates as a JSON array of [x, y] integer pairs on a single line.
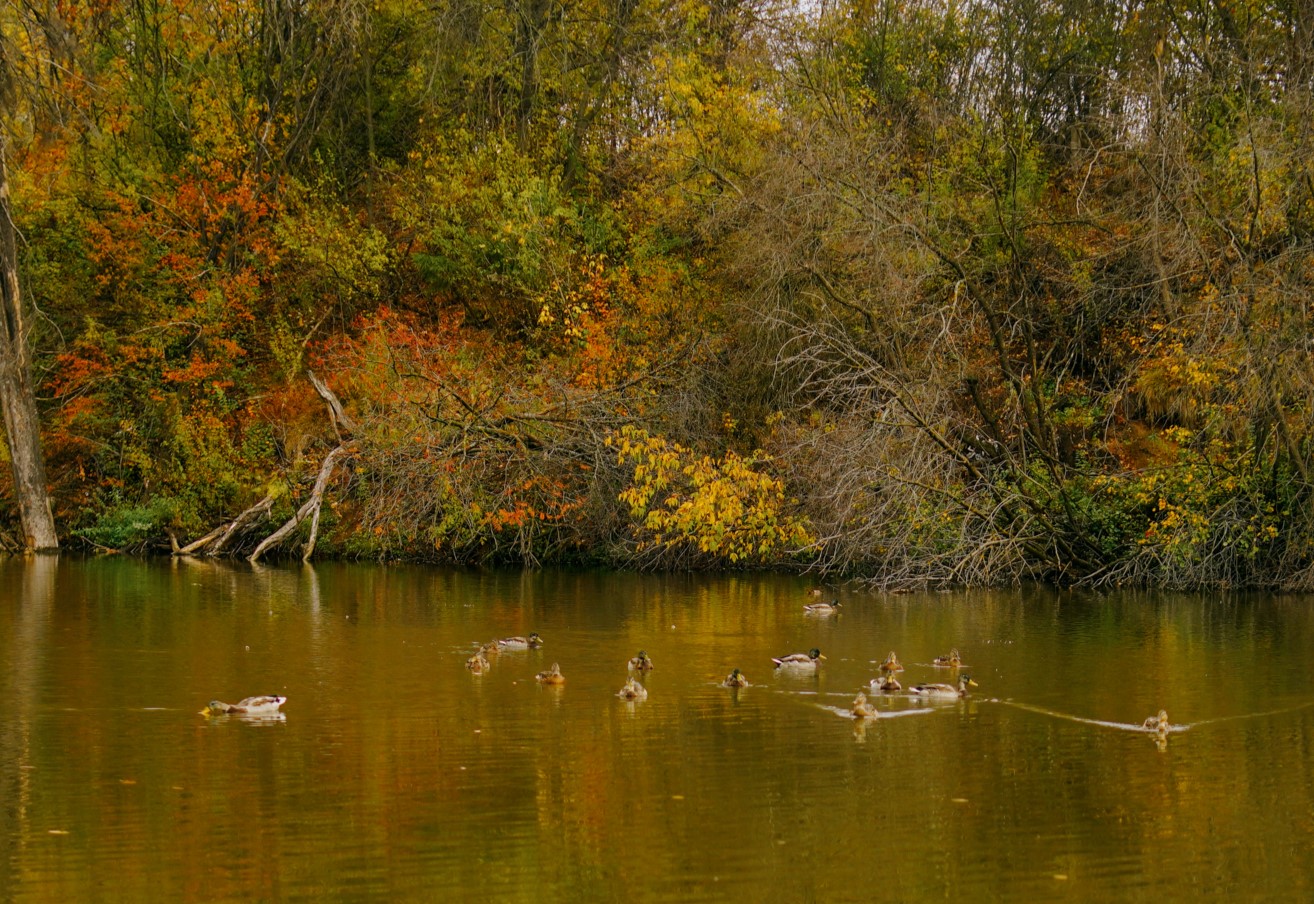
[[395, 774]]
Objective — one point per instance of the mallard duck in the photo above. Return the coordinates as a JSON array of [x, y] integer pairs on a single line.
[[944, 690], [551, 676], [736, 679], [886, 683], [891, 663], [823, 608], [477, 663], [642, 662], [952, 661], [250, 705], [533, 641], [861, 708], [800, 661], [1157, 723], [489, 649], [632, 690]]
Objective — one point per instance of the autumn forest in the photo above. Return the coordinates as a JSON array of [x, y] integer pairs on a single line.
[[921, 293]]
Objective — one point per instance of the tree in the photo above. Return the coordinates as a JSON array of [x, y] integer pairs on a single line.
[[17, 398]]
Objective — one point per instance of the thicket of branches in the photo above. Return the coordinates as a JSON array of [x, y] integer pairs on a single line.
[[920, 292]]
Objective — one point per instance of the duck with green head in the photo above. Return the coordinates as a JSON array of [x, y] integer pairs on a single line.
[[800, 662], [532, 642], [642, 662], [944, 690]]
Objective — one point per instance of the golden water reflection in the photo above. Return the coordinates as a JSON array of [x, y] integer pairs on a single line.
[[394, 773]]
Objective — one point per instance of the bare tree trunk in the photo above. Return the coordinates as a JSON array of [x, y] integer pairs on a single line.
[[310, 507], [196, 544], [255, 513], [17, 397]]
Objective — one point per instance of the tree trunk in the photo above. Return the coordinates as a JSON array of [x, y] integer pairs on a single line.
[[17, 398]]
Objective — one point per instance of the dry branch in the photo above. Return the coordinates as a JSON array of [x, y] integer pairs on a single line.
[[309, 507], [336, 412], [213, 543], [195, 544], [226, 532]]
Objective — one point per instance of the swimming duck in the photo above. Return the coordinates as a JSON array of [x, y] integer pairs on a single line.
[[823, 608], [736, 679], [861, 708], [952, 661], [1157, 723], [642, 662], [551, 676], [801, 662], [891, 663], [533, 641], [886, 683], [477, 663], [944, 690], [632, 690], [815, 591], [250, 705]]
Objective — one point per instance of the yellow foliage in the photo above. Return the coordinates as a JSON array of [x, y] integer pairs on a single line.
[[723, 507], [1177, 382]]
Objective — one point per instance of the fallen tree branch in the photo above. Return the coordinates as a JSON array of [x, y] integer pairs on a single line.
[[309, 507], [195, 544], [225, 532], [213, 543]]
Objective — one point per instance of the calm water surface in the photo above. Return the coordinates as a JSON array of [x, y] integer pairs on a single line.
[[395, 774]]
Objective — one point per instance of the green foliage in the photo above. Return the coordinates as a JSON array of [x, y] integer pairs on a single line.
[[501, 230], [901, 61], [1214, 517], [130, 528]]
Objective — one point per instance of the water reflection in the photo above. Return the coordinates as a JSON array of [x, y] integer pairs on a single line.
[[26, 630], [248, 718], [394, 770]]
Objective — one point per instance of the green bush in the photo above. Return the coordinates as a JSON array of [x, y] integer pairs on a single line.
[[130, 528]]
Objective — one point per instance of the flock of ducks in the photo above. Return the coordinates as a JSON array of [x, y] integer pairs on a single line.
[[478, 663], [632, 690], [886, 683], [799, 663]]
